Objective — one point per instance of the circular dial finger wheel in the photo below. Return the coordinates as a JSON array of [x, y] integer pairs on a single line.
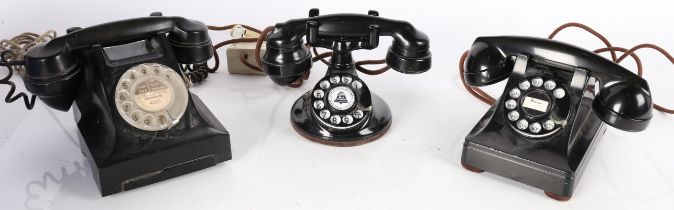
[[536, 106], [151, 96], [336, 101]]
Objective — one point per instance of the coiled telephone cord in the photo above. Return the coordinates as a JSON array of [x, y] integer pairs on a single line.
[[196, 73], [486, 98], [12, 53], [10, 97]]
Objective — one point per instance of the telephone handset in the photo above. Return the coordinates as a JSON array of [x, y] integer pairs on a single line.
[[52, 69], [557, 100], [340, 110], [138, 122]]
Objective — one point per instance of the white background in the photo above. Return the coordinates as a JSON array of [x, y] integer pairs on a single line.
[[414, 166]]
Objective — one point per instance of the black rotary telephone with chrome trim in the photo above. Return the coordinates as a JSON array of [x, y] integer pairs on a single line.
[[556, 105], [340, 110], [138, 122]]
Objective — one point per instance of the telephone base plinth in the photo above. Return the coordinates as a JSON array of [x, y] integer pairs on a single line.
[[158, 166], [306, 124], [339, 144], [202, 143]]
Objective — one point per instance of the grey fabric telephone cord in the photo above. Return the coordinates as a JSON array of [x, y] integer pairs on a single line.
[[19, 45], [12, 53]]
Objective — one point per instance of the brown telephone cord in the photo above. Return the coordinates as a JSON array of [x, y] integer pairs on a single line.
[[224, 43], [216, 56], [322, 59], [486, 98], [630, 52], [586, 28], [477, 92], [359, 64], [227, 27], [634, 56], [663, 52]]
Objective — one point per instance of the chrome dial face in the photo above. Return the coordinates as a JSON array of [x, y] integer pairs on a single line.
[[151, 96], [532, 106]]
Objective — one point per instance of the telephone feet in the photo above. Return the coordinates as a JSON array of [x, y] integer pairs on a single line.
[[471, 168], [557, 197]]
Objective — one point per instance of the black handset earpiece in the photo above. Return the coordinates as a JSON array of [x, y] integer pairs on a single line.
[[546, 122], [409, 53], [340, 110], [486, 64], [286, 58], [189, 41], [52, 75], [52, 71], [624, 105]]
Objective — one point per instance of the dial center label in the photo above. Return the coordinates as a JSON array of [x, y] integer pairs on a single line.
[[341, 98], [152, 94], [535, 104]]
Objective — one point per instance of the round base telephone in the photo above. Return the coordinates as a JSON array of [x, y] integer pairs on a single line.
[[340, 111]]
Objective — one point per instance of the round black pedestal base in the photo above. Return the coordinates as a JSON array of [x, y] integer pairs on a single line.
[[308, 126]]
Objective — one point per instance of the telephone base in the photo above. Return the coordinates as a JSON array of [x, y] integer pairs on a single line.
[[167, 156], [158, 166], [306, 124], [340, 144], [556, 182], [549, 179]]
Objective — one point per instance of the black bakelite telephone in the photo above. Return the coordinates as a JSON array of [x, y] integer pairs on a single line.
[[340, 110], [557, 102], [138, 122]]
